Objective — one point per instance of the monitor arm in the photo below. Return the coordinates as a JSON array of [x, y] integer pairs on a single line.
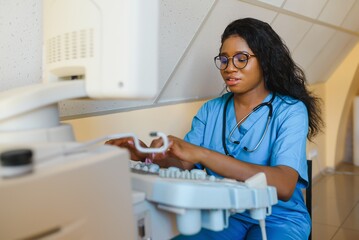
[[30, 113]]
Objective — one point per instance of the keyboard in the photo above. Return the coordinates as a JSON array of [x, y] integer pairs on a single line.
[[174, 172], [200, 200]]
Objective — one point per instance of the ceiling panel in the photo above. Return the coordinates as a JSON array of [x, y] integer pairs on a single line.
[[351, 21], [309, 47], [329, 58], [175, 35], [277, 3], [291, 29], [308, 8], [335, 11]]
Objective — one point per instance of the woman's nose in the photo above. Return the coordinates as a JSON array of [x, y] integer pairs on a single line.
[[230, 67]]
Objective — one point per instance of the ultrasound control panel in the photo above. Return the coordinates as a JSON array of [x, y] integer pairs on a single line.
[[199, 200], [172, 172]]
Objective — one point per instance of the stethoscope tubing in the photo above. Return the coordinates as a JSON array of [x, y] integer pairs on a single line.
[[268, 104]]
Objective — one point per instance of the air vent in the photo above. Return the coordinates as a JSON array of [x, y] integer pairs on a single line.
[[70, 46]]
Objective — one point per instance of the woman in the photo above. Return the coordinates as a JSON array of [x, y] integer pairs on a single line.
[[260, 125]]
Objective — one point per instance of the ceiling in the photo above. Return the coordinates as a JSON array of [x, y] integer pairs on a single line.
[[319, 33]]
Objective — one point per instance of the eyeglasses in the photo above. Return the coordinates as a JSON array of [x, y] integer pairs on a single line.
[[239, 60]]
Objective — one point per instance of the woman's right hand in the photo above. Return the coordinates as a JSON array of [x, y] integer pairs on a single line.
[[130, 145], [179, 154]]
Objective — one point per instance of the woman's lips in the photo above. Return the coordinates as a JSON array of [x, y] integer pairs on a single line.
[[232, 81]]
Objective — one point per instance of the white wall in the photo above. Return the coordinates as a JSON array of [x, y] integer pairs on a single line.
[[356, 131], [173, 120], [20, 43]]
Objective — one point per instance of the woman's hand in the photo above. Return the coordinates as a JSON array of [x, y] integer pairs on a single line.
[[129, 144], [179, 153]]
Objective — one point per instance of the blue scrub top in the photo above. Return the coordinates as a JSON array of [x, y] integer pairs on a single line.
[[283, 144]]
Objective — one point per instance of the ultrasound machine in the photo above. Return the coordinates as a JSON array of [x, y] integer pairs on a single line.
[[53, 187]]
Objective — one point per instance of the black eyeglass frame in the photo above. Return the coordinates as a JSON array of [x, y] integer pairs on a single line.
[[248, 56]]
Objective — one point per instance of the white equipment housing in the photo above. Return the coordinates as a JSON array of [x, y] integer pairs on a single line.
[[113, 45], [82, 196]]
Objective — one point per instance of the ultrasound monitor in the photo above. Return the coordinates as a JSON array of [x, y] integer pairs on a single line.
[[113, 45]]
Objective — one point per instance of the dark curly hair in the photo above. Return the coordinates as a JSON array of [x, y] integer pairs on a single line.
[[281, 74]]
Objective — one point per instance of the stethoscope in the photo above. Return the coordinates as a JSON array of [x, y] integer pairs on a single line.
[[270, 113]]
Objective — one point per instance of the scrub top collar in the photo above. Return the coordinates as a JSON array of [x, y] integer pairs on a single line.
[[247, 123]]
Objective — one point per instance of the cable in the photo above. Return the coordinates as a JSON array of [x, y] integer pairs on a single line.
[[262, 225]]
